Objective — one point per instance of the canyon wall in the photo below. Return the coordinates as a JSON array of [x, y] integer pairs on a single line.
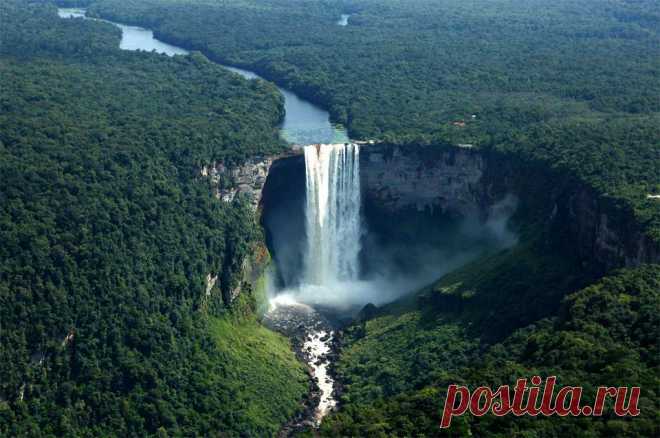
[[422, 179], [227, 183], [463, 180], [247, 179], [458, 181]]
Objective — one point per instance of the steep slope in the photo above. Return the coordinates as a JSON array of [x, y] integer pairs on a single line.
[[397, 365]]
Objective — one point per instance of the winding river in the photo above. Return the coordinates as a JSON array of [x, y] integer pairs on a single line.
[[304, 123]]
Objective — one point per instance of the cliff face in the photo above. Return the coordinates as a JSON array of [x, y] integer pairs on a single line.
[[282, 215], [460, 181], [248, 179], [463, 181], [603, 232], [422, 178]]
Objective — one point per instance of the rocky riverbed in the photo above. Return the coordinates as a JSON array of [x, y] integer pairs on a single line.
[[312, 335]]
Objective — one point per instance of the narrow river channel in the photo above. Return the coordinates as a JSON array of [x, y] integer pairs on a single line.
[[304, 123]]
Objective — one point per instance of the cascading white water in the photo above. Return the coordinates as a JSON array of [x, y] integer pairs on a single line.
[[331, 265], [333, 219]]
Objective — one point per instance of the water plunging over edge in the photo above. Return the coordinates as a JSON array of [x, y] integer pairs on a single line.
[[333, 229], [332, 214], [333, 211]]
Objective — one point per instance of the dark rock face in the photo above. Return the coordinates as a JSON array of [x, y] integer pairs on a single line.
[[422, 178], [463, 181], [440, 182], [283, 216], [602, 231]]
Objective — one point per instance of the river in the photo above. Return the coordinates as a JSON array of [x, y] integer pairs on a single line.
[[304, 123], [312, 334]]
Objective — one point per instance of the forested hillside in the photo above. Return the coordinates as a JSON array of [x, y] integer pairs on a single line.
[[108, 234], [107, 323], [398, 364], [574, 84]]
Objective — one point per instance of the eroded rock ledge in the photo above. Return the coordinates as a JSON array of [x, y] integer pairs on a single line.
[[247, 179], [228, 182]]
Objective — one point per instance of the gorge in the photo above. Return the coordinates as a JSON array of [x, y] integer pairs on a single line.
[[189, 249], [469, 183], [454, 188]]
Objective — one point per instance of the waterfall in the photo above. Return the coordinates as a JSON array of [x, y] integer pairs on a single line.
[[333, 220], [331, 268]]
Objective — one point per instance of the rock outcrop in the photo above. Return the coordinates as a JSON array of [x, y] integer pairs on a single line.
[[229, 182], [211, 280], [247, 179]]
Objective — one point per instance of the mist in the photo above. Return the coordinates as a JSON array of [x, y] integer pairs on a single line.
[[391, 267]]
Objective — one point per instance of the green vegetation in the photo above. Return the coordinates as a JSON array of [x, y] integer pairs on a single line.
[[574, 84], [397, 366], [503, 291], [267, 379], [108, 233]]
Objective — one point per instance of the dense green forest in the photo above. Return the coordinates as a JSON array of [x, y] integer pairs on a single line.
[[574, 84], [108, 234], [397, 365]]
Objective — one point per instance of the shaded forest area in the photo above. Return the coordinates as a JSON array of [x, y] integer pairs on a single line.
[[397, 365], [108, 234]]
